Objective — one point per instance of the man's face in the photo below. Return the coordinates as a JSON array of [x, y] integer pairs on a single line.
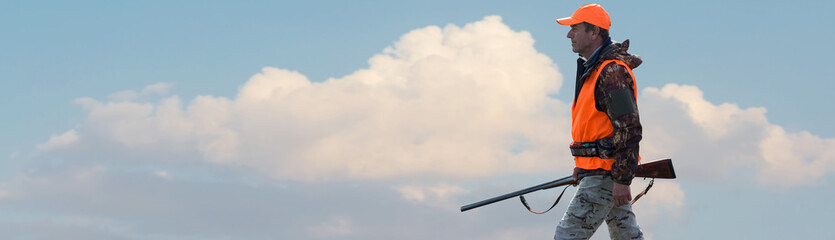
[[581, 40]]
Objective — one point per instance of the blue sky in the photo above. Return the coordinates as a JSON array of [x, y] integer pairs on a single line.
[[84, 129]]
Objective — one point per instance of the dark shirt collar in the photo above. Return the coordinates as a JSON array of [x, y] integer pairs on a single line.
[[595, 55]]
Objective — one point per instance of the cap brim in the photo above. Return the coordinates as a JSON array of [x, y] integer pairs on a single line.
[[568, 21]]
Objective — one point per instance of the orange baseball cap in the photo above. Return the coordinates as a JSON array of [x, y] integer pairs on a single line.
[[591, 13]]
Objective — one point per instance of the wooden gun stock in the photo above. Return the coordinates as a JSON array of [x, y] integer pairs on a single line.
[[656, 169]]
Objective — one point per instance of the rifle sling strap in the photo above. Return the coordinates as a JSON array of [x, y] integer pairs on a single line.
[[644, 192], [525, 203]]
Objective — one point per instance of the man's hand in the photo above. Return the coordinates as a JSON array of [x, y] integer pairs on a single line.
[[575, 176], [621, 194]]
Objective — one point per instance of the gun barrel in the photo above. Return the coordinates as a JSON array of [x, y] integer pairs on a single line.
[[657, 169], [552, 184]]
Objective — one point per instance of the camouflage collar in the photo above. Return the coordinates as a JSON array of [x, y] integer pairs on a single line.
[[597, 53]]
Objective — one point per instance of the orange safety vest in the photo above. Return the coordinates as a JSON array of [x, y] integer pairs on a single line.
[[588, 124]]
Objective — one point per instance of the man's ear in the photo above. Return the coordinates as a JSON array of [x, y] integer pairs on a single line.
[[596, 33]]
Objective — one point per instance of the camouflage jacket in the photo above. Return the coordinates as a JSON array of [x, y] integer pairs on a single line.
[[627, 127]]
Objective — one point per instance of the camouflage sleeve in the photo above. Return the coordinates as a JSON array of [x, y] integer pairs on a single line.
[[615, 95]]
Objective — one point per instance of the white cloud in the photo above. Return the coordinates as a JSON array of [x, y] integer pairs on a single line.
[[451, 101], [456, 102], [713, 141], [57, 142], [157, 89], [441, 193], [161, 88], [793, 159], [163, 174], [336, 226], [121, 96], [663, 202], [715, 121], [5, 195], [412, 193]]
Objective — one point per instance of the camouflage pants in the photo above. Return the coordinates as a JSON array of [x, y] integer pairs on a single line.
[[591, 205]]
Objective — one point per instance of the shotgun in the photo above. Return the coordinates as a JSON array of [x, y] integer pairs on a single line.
[[656, 169]]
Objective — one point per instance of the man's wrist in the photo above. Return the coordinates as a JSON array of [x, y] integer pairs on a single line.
[[622, 182]]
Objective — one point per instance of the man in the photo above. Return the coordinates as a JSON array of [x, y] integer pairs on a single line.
[[605, 128]]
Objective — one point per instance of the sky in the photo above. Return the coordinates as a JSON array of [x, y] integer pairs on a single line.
[[379, 119]]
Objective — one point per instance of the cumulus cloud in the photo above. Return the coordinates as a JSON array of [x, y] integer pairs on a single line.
[[441, 193], [792, 159], [454, 101], [336, 226], [715, 121], [664, 201], [57, 142], [149, 91], [713, 141]]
